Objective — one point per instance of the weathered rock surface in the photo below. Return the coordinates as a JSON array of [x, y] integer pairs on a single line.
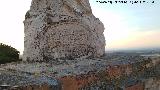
[[62, 29], [127, 73]]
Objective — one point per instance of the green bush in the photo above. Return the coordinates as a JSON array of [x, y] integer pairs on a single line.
[[8, 54]]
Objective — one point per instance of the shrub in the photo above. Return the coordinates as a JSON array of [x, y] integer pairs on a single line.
[[8, 54]]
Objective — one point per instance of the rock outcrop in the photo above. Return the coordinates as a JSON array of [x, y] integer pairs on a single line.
[[62, 29]]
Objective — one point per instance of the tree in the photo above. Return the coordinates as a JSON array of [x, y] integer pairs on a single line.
[[8, 54]]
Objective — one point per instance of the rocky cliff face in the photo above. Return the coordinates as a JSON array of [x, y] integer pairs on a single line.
[[62, 29]]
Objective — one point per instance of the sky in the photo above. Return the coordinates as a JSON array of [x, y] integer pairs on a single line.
[[127, 26]]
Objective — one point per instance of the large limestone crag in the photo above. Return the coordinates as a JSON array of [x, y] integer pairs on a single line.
[[62, 29]]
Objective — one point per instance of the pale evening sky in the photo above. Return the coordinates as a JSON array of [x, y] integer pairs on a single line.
[[126, 25]]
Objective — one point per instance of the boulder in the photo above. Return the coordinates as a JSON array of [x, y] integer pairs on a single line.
[[64, 29]]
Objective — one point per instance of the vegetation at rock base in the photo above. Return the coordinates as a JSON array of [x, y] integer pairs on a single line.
[[8, 54]]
